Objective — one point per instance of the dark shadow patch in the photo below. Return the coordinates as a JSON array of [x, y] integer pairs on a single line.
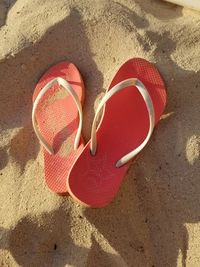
[[127, 17], [5, 6], [24, 146], [97, 255], [129, 20], [45, 241], [4, 236], [160, 9], [3, 158]]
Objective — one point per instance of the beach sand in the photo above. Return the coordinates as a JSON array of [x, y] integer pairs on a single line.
[[155, 219]]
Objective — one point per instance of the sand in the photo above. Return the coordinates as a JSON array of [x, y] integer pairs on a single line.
[[155, 218]]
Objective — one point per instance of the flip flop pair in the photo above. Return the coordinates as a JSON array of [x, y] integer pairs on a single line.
[[132, 106]]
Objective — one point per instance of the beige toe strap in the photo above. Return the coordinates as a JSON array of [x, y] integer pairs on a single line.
[[135, 83], [71, 91]]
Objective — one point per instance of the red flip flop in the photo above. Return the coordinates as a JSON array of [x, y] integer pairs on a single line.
[[57, 121], [132, 105]]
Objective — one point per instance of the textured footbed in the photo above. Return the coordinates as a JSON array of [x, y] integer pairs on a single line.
[[94, 180], [57, 118]]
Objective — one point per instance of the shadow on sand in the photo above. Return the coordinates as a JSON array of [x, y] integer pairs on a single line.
[[5, 6], [64, 41], [46, 241]]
